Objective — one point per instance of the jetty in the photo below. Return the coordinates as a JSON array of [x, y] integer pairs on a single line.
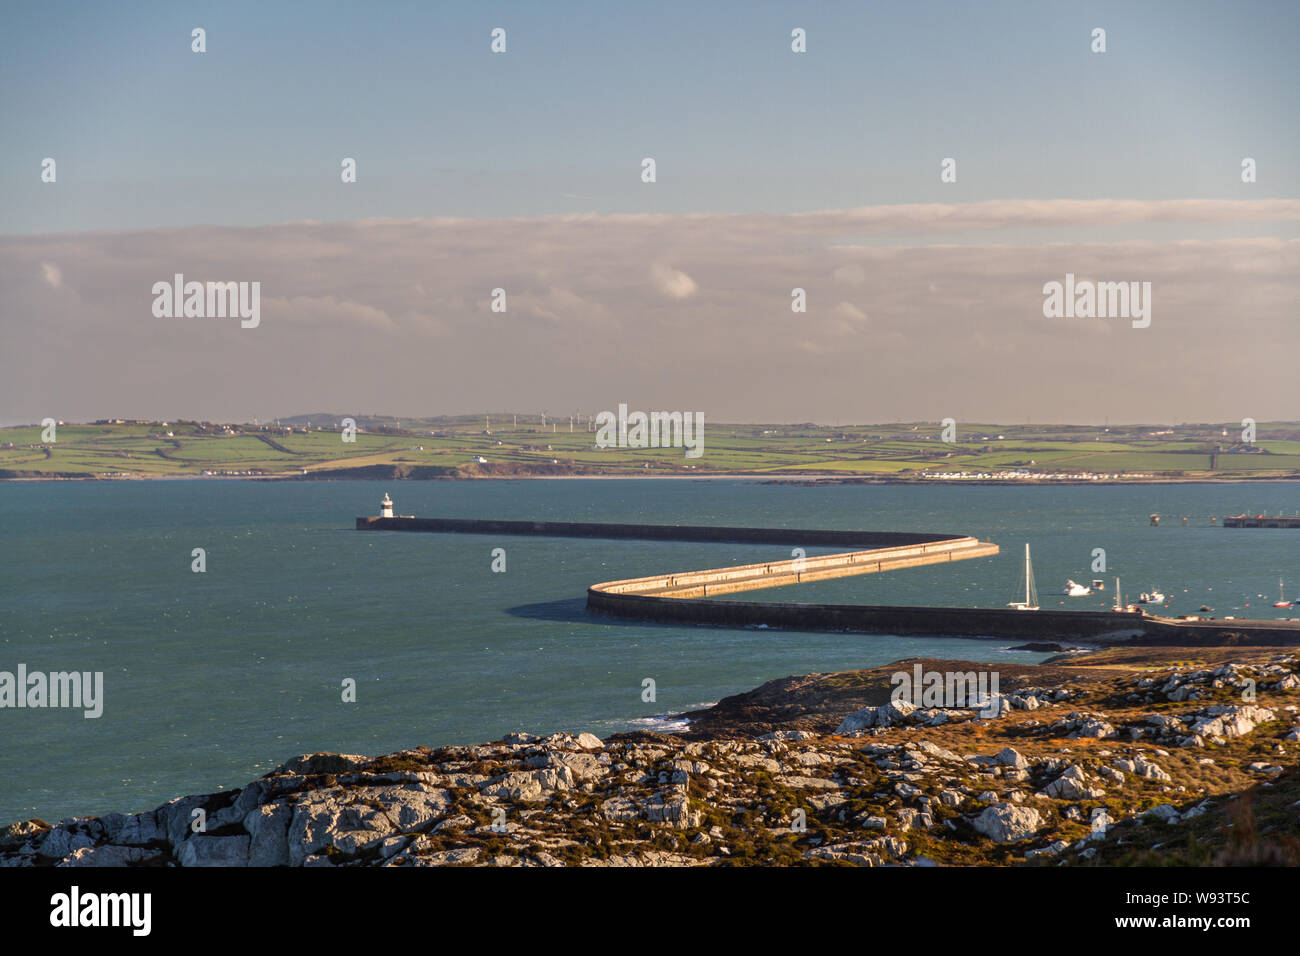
[[1262, 521], [690, 597]]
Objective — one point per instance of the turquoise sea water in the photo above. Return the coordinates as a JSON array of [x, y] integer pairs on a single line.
[[212, 679]]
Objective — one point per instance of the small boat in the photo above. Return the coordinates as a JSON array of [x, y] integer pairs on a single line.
[[1281, 596], [1098, 584], [1076, 590], [1151, 597], [1030, 603]]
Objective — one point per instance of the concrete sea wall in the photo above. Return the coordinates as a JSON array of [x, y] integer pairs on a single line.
[[656, 532], [688, 597]]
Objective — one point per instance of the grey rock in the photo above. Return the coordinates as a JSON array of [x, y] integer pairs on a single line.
[[1012, 758], [62, 842], [886, 715], [320, 763], [1163, 812], [268, 828], [202, 850], [1052, 849], [1231, 720], [1072, 785], [1007, 823]]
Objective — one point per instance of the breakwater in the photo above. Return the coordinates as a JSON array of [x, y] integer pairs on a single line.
[[878, 619], [687, 597], [659, 532], [1261, 521]]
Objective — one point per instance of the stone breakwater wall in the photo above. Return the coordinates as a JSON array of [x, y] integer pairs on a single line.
[[876, 619], [686, 597], [658, 532], [750, 577]]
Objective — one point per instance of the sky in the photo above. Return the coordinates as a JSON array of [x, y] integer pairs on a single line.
[[775, 170]]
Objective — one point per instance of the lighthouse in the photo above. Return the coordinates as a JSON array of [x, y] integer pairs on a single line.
[[386, 507]]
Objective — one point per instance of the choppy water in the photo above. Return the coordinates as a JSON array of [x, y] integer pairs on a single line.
[[214, 678]]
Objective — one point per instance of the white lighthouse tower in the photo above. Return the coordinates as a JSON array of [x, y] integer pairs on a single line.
[[386, 507]]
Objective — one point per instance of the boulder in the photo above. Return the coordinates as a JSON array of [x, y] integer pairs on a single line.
[[1163, 813], [1150, 771], [1229, 720], [1072, 785], [1008, 823], [1093, 727], [1012, 758], [886, 715]]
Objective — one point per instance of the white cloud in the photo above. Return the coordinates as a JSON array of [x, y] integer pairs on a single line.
[[672, 282]]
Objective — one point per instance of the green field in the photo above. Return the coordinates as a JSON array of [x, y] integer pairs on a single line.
[[451, 447]]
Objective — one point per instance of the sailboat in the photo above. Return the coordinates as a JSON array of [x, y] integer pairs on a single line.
[[1030, 603], [1120, 606], [1281, 596]]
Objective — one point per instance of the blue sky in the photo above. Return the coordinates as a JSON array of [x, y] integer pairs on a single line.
[[776, 171], [147, 133]]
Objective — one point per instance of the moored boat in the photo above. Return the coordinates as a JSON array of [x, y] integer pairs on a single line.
[[1030, 603]]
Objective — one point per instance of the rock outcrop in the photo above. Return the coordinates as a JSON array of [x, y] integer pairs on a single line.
[[893, 784]]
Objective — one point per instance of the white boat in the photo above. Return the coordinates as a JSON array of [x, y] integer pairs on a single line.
[[1030, 603], [1076, 590], [1151, 597], [1281, 596]]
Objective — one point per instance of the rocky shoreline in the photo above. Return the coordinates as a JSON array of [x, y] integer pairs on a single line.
[[1117, 757]]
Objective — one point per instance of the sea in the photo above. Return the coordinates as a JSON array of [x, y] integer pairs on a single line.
[[214, 677]]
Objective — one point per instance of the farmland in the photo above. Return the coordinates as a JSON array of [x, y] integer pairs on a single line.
[[451, 447]]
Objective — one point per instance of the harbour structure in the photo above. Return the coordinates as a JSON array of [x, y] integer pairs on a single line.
[[1261, 521], [688, 597]]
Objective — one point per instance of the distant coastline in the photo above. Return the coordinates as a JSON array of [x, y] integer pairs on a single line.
[[795, 479], [475, 447]]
